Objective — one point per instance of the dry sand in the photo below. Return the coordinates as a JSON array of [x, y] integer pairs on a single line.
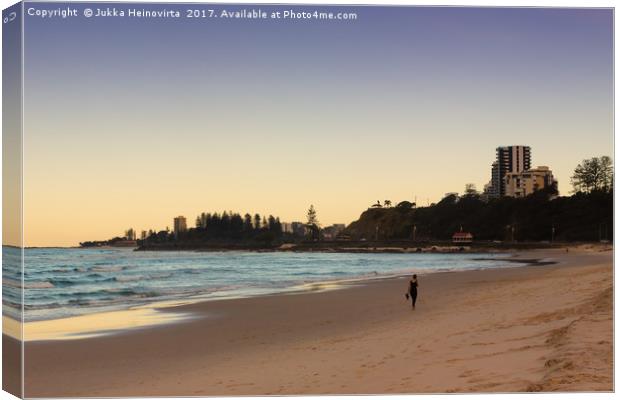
[[534, 328]]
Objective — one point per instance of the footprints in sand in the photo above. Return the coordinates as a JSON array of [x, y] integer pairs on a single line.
[[373, 364], [468, 373], [578, 356]]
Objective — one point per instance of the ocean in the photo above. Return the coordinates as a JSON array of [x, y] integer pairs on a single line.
[[62, 283]]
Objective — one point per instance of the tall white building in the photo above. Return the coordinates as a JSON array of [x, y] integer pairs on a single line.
[[508, 159]]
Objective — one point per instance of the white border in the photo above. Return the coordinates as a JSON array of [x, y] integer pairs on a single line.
[[482, 3]]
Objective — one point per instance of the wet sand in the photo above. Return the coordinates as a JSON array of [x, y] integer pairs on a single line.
[[532, 328]]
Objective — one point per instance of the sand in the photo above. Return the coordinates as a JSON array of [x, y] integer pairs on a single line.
[[533, 328]]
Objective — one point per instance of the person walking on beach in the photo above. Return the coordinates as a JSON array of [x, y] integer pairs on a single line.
[[413, 290]]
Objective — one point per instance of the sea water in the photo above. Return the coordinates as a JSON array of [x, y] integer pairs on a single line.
[[60, 283]]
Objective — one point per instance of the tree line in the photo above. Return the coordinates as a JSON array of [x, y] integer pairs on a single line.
[[227, 226]]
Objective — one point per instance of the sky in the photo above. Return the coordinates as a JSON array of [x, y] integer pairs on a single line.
[[131, 122]]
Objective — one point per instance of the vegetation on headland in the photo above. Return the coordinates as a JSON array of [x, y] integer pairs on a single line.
[[538, 217]]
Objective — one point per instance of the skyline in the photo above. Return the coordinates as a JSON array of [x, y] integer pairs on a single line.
[[189, 220], [129, 123]]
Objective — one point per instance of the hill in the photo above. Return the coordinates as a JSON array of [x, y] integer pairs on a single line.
[[538, 217]]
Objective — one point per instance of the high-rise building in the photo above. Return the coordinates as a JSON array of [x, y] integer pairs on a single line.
[[509, 159], [526, 182], [180, 225]]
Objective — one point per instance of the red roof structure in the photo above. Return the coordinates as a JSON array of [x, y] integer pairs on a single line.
[[462, 237]]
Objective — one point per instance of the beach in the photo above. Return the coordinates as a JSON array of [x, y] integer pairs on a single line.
[[546, 327]]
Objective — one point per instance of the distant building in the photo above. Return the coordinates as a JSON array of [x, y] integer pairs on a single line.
[[180, 225], [287, 227], [130, 234], [524, 183], [298, 228], [508, 159], [331, 232], [143, 235], [486, 195], [462, 237], [491, 189]]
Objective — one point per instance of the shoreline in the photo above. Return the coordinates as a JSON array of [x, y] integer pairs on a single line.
[[497, 330], [161, 312], [393, 246], [396, 246]]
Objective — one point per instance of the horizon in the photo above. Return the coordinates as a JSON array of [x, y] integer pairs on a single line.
[[149, 120], [321, 226]]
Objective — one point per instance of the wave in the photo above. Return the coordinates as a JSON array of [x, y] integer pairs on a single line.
[[107, 268], [192, 271], [163, 275], [38, 285], [12, 304], [119, 292], [64, 269], [27, 285], [62, 282], [328, 273], [47, 306], [11, 283], [127, 278]]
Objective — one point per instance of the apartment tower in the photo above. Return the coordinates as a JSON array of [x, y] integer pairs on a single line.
[[509, 159], [180, 225]]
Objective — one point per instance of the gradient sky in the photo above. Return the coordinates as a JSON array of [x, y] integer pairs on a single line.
[[130, 122]]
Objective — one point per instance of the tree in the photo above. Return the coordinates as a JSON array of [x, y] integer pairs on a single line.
[[271, 221], [311, 216], [201, 220], [278, 226], [405, 205], [236, 225], [607, 173], [470, 190], [593, 174], [247, 223], [312, 223], [256, 221], [387, 203], [225, 222]]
